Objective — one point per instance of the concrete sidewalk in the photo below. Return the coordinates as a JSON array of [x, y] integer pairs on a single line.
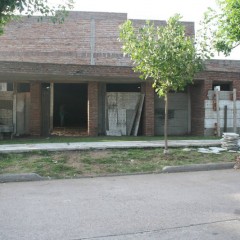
[[17, 148]]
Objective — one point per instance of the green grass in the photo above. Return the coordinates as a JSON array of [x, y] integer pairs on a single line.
[[103, 162], [98, 139]]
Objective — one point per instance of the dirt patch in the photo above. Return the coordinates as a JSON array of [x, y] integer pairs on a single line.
[[78, 155], [99, 154]]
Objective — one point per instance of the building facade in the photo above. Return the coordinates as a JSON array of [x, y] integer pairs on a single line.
[[73, 79]]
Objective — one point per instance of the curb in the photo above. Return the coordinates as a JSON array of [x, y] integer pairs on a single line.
[[24, 177], [198, 167], [27, 177]]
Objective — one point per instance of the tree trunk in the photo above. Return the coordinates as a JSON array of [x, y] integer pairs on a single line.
[[166, 125]]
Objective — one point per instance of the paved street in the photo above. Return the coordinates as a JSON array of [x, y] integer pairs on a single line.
[[197, 205]]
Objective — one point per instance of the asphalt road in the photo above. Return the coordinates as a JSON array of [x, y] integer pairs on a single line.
[[197, 205]]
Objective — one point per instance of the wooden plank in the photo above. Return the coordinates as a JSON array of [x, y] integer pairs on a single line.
[[189, 112], [14, 108], [27, 112], [129, 130], [218, 113], [138, 117], [234, 110], [51, 105], [106, 115], [225, 119]]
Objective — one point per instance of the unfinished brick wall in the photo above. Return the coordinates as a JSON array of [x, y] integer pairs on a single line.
[[92, 109], [199, 91], [197, 108], [35, 109], [86, 38]]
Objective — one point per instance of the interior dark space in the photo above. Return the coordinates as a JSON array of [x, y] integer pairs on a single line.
[[70, 105]]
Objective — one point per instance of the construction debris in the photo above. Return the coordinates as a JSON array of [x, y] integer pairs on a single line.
[[237, 164], [188, 149], [69, 132], [230, 141], [215, 150]]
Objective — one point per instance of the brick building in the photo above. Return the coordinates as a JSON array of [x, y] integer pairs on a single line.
[[77, 70]]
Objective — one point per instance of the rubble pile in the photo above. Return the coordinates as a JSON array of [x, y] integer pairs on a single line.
[[230, 141], [237, 164]]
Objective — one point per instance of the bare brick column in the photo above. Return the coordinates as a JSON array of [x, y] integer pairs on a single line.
[[148, 123], [35, 109], [92, 109], [198, 93]]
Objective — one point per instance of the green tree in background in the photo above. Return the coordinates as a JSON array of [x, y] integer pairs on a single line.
[[164, 55], [9, 9], [221, 27]]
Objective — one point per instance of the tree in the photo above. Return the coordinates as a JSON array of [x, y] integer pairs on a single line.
[[222, 26], [163, 54], [9, 9]]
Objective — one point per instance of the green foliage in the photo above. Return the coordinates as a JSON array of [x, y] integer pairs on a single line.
[[162, 53], [221, 26], [9, 9]]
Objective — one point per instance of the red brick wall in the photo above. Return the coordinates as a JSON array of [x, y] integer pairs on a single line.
[[35, 109], [189, 26], [84, 36], [148, 114], [197, 108], [92, 108]]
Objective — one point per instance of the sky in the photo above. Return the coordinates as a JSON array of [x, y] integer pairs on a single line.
[[190, 10]]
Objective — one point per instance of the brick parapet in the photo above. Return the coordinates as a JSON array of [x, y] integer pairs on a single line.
[[82, 36]]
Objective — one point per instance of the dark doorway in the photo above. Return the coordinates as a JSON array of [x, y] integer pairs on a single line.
[[70, 105]]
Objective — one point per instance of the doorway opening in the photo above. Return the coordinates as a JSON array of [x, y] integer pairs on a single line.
[[124, 109], [70, 109]]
